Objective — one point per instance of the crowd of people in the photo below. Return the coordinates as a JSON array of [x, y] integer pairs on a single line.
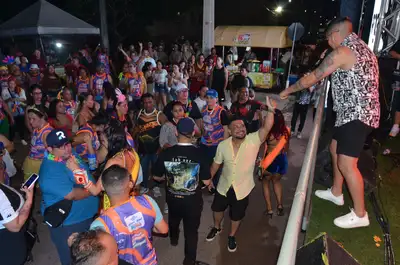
[[99, 142]]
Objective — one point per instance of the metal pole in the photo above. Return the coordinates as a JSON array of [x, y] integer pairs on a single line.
[[307, 209], [287, 255], [42, 47], [272, 59], [291, 55], [362, 17], [223, 54], [379, 26], [277, 59], [103, 24], [208, 25]]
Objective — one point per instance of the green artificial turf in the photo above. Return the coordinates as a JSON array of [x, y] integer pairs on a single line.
[[360, 242]]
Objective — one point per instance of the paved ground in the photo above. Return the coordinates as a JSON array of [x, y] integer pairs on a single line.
[[258, 238]]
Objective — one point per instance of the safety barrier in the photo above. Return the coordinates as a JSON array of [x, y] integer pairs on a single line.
[[302, 197]]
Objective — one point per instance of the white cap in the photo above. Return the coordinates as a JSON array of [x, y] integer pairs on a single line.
[[34, 67], [180, 87], [248, 49]]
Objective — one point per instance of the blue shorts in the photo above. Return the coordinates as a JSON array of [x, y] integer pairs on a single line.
[[279, 165], [160, 88]]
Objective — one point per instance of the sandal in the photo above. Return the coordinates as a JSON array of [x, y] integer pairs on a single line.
[[280, 210], [269, 213]]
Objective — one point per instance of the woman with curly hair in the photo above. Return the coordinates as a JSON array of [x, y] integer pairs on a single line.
[[275, 163]]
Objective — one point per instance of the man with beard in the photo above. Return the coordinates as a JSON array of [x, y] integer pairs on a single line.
[[238, 153], [355, 91], [63, 178], [247, 109]]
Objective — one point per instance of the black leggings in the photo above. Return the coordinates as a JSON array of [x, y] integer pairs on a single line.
[[302, 111]]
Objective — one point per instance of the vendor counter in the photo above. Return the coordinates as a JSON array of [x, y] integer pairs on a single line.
[[261, 80]]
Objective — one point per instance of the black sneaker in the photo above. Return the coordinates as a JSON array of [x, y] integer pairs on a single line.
[[212, 234], [232, 244]]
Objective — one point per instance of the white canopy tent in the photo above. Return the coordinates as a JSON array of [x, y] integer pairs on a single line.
[[43, 18]]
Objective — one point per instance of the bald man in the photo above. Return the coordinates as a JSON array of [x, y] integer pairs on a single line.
[[355, 81], [94, 247]]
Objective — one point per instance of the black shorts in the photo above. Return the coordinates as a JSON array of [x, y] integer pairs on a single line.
[[396, 101], [237, 208], [351, 138]]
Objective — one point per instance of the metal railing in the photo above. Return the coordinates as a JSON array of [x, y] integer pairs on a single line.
[[302, 197]]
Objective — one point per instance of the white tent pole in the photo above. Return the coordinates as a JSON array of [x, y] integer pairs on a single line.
[[291, 55], [208, 25], [103, 25], [42, 46]]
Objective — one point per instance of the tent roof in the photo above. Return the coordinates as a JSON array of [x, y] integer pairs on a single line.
[[253, 36], [43, 18]]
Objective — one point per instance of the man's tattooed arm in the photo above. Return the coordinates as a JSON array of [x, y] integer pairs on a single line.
[[323, 68], [298, 86], [328, 66]]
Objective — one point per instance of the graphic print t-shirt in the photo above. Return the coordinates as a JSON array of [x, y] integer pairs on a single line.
[[246, 110], [184, 166]]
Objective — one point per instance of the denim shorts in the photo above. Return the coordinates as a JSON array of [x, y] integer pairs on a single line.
[[160, 88], [279, 165]]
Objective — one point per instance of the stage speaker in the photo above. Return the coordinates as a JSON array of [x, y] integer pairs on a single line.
[[324, 250]]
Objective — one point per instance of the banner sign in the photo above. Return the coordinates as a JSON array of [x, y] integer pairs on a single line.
[[242, 40]]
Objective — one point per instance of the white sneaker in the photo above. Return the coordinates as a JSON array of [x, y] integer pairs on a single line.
[[394, 131], [351, 220], [293, 134], [328, 195], [299, 136], [143, 190], [23, 142], [156, 192]]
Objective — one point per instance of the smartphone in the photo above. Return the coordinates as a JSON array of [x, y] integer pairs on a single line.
[[30, 181]]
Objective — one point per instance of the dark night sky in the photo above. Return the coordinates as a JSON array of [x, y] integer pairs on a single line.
[[228, 12]]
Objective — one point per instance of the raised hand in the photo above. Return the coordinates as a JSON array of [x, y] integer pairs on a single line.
[[271, 104]]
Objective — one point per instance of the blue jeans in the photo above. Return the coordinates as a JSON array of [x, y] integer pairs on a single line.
[[210, 151], [60, 236], [145, 161], [160, 88]]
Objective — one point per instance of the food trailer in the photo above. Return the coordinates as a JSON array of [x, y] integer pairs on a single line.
[[266, 75]]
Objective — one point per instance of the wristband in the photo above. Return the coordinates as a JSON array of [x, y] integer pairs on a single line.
[[88, 185], [80, 176]]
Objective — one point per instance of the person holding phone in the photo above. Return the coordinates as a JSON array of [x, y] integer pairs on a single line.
[[14, 212]]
